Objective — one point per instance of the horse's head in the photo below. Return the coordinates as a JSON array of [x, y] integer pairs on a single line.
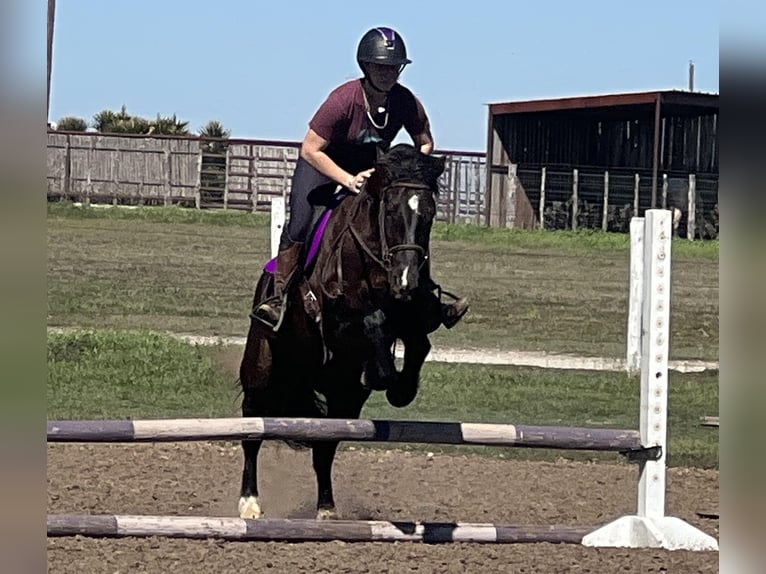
[[405, 185]]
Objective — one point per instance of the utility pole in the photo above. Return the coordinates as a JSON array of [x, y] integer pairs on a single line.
[[691, 76], [51, 19]]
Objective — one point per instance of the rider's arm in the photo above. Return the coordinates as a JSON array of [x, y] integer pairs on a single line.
[[417, 125], [424, 141], [312, 150]]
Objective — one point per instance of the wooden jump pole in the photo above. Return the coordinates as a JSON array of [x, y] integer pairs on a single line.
[[307, 429], [304, 530]]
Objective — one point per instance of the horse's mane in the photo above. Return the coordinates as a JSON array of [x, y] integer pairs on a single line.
[[403, 162]]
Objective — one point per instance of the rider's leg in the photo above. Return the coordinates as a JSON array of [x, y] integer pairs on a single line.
[[289, 258], [271, 311]]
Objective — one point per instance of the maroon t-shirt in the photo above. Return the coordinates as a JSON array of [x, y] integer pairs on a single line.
[[342, 120]]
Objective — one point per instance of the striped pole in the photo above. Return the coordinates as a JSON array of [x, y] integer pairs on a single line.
[[308, 430], [302, 530]]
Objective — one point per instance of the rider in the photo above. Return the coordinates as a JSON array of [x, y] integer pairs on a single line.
[[340, 147]]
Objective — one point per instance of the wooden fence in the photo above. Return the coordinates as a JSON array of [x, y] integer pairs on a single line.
[[208, 174]]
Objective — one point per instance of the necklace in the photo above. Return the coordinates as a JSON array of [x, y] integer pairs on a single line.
[[380, 110]]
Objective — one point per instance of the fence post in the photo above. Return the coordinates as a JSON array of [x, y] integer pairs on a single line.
[[252, 176], [277, 222], [458, 166], [88, 173], [198, 184], [477, 189], [664, 191], [636, 182], [226, 179], [575, 198], [68, 169], [509, 217], [542, 198], [605, 212], [636, 294], [166, 156], [692, 205]]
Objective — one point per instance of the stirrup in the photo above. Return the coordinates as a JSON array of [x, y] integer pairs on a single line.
[[460, 308], [272, 320]]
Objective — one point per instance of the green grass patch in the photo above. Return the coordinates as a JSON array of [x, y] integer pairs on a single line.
[[584, 239], [146, 375], [218, 217], [191, 271], [112, 374]]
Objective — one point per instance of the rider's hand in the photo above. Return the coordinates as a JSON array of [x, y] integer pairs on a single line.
[[356, 183]]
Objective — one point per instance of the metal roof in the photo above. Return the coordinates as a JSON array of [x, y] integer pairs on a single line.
[[680, 102]]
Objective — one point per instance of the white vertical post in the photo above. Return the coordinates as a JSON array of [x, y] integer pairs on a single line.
[[664, 191], [636, 188], [226, 179], [510, 198], [636, 297], [692, 206], [605, 212], [575, 198], [542, 198], [654, 360], [277, 222]]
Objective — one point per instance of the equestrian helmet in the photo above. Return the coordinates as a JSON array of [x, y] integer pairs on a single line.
[[382, 46]]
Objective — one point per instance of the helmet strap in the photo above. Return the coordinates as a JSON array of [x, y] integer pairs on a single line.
[[370, 83]]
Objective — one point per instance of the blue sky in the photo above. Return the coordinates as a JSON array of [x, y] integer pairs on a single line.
[[262, 68]]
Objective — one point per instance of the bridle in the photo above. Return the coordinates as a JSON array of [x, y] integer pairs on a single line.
[[387, 252]]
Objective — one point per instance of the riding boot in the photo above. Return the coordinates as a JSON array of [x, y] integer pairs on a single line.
[[272, 310], [449, 313]]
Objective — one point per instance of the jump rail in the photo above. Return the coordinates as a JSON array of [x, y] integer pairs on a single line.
[[303, 530], [306, 429]]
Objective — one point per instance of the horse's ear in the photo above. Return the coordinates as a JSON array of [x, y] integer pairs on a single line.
[[436, 165]]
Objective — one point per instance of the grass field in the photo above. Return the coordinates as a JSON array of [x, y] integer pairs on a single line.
[[193, 272], [118, 374]]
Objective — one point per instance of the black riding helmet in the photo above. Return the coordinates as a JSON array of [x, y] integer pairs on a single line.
[[382, 46]]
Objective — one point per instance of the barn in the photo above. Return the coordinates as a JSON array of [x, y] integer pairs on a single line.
[[596, 161]]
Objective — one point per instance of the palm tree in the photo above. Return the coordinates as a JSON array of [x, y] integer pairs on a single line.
[[169, 125], [214, 131], [71, 124]]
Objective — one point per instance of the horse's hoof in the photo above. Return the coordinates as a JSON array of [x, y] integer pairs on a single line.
[[401, 398], [326, 514], [249, 507]]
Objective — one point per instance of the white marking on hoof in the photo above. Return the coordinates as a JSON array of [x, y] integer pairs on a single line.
[[326, 514], [249, 507]]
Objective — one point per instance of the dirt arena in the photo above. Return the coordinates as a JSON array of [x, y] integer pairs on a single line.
[[203, 479]]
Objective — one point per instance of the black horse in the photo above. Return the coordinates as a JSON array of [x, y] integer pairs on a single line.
[[367, 287]]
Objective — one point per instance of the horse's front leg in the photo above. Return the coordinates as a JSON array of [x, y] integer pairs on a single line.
[[404, 391], [380, 371], [248, 506], [345, 399], [323, 455]]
